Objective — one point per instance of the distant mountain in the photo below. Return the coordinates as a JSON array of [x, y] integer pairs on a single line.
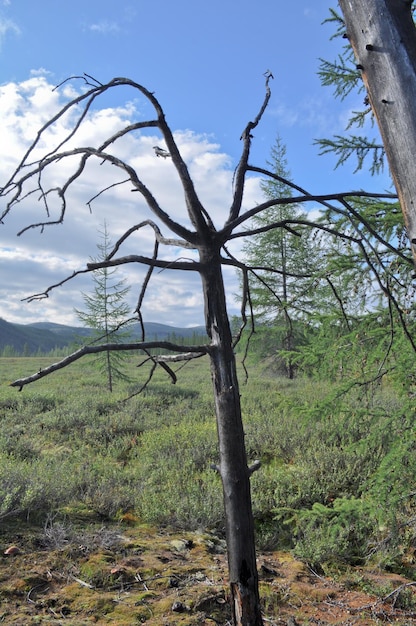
[[152, 329], [67, 333], [47, 336], [28, 339]]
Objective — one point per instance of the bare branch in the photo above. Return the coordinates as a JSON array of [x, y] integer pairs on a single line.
[[341, 198], [193, 266], [163, 365], [145, 384], [180, 243], [319, 198], [151, 262], [254, 467], [86, 153], [131, 346], [100, 193], [15, 184], [339, 300], [175, 358], [245, 301], [145, 284], [299, 222], [240, 173], [45, 294]]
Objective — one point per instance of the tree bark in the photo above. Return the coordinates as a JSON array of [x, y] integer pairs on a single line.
[[235, 474], [383, 36]]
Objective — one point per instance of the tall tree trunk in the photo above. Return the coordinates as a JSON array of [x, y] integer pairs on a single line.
[[383, 36], [235, 474], [289, 339], [109, 372]]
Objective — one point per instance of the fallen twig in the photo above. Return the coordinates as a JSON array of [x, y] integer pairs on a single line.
[[82, 582]]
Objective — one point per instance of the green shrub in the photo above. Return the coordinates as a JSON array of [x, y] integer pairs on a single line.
[[182, 498], [35, 487], [177, 486], [110, 493], [325, 534]]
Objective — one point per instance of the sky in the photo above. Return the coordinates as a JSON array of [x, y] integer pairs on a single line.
[[205, 63]]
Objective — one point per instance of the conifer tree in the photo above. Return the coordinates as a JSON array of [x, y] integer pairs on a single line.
[[106, 310], [281, 297]]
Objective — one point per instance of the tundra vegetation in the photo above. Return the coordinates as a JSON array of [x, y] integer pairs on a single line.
[[83, 467], [353, 237], [338, 463], [105, 312]]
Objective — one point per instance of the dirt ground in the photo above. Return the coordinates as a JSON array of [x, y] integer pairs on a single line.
[[130, 574]]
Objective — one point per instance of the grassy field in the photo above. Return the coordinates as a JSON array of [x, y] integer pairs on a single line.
[[66, 441], [336, 484]]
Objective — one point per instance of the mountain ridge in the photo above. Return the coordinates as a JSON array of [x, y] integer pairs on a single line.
[[47, 336]]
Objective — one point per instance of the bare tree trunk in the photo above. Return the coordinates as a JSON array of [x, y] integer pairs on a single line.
[[235, 474], [289, 339], [383, 36], [109, 371]]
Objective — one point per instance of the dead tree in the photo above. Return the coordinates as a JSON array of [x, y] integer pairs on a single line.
[[210, 245], [383, 36]]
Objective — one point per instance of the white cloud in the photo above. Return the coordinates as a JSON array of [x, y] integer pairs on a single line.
[[105, 27], [41, 71], [7, 26], [37, 260]]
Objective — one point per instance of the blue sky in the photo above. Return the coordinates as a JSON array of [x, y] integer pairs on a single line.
[[205, 63]]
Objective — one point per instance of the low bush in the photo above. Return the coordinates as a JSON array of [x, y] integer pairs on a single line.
[[330, 534], [336, 482]]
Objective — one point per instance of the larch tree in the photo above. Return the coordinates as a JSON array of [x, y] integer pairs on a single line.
[[326, 286], [394, 302], [280, 298], [208, 253], [106, 310]]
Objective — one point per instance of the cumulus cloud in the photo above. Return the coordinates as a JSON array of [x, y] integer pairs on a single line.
[[38, 259]]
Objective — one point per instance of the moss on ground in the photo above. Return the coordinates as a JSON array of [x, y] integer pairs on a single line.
[[133, 574]]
